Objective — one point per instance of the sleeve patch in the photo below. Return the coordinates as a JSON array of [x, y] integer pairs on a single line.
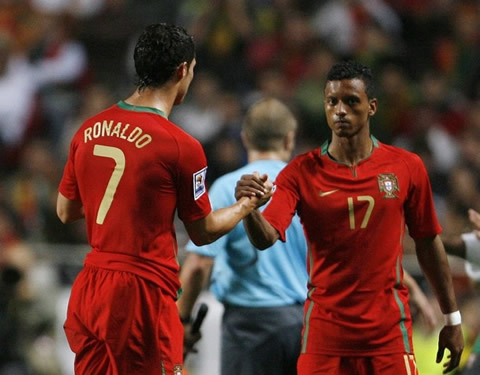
[[199, 186]]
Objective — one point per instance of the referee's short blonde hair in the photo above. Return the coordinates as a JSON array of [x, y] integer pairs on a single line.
[[267, 123]]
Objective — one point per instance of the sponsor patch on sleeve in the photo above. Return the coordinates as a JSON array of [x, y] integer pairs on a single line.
[[199, 186]]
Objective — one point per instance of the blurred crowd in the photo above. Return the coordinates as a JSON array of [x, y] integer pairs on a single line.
[[63, 60]]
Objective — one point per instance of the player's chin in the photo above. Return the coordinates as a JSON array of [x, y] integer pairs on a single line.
[[343, 132], [346, 131]]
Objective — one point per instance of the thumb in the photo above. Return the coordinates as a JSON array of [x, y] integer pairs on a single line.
[[264, 177], [440, 354]]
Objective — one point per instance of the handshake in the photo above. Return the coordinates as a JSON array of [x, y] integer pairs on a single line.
[[258, 188]]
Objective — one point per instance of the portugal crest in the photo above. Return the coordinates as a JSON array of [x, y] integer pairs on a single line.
[[388, 184]]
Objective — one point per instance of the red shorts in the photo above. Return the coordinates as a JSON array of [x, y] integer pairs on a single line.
[[391, 364], [119, 323]]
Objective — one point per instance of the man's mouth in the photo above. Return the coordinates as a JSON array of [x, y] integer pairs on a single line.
[[342, 122]]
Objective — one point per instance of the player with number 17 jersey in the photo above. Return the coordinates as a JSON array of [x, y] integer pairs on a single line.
[[136, 168], [355, 220]]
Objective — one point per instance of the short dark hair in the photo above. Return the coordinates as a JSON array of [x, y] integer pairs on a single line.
[[350, 70], [160, 49], [267, 123]]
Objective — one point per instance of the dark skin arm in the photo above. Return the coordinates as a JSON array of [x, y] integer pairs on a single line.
[[261, 234], [434, 263]]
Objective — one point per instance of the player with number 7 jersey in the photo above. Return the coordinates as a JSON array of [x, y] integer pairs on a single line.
[[136, 167], [128, 172], [131, 168]]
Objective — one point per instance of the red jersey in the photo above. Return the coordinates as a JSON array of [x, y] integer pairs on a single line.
[[354, 220], [132, 168]]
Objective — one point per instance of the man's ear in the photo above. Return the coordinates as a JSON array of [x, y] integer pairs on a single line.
[[182, 71], [289, 141], [373, 107]]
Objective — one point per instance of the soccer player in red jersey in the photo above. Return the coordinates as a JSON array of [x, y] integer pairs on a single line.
[[356, 198], [129, 169]]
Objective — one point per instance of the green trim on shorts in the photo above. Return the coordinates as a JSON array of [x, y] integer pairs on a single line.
[[310, 271], [307, 326], [403, 329]]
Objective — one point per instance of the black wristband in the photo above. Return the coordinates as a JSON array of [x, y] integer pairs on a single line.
[[185, 320]]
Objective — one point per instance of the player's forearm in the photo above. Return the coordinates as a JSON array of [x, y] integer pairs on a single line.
[[219, 222], [68, 210], [193, 277], [260, 233], [434, 263]]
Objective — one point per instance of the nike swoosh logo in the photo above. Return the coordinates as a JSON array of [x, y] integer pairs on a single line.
[[325, 193]]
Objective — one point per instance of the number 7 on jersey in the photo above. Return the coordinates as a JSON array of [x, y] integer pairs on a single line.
[[119, 157]]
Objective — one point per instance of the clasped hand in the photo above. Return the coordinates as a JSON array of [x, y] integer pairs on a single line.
[[257, 187]]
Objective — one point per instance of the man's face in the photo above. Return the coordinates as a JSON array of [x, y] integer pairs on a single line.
[[347, 106], [185, 84]]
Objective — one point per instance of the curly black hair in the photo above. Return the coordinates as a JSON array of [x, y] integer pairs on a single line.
[[350, 70], [160, 49]]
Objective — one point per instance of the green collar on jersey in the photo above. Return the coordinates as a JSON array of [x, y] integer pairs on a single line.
[[324, 148], [122, 104]]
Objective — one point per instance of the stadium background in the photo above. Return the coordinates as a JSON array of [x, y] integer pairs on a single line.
[[63, 60]]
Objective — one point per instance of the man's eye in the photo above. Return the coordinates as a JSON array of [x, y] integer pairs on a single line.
[[352, 101]]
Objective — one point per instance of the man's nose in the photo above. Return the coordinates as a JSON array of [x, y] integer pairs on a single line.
[[340, 109]]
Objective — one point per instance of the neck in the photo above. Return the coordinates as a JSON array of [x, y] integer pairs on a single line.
[[255, 155], [350, 151], [160, 99]]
